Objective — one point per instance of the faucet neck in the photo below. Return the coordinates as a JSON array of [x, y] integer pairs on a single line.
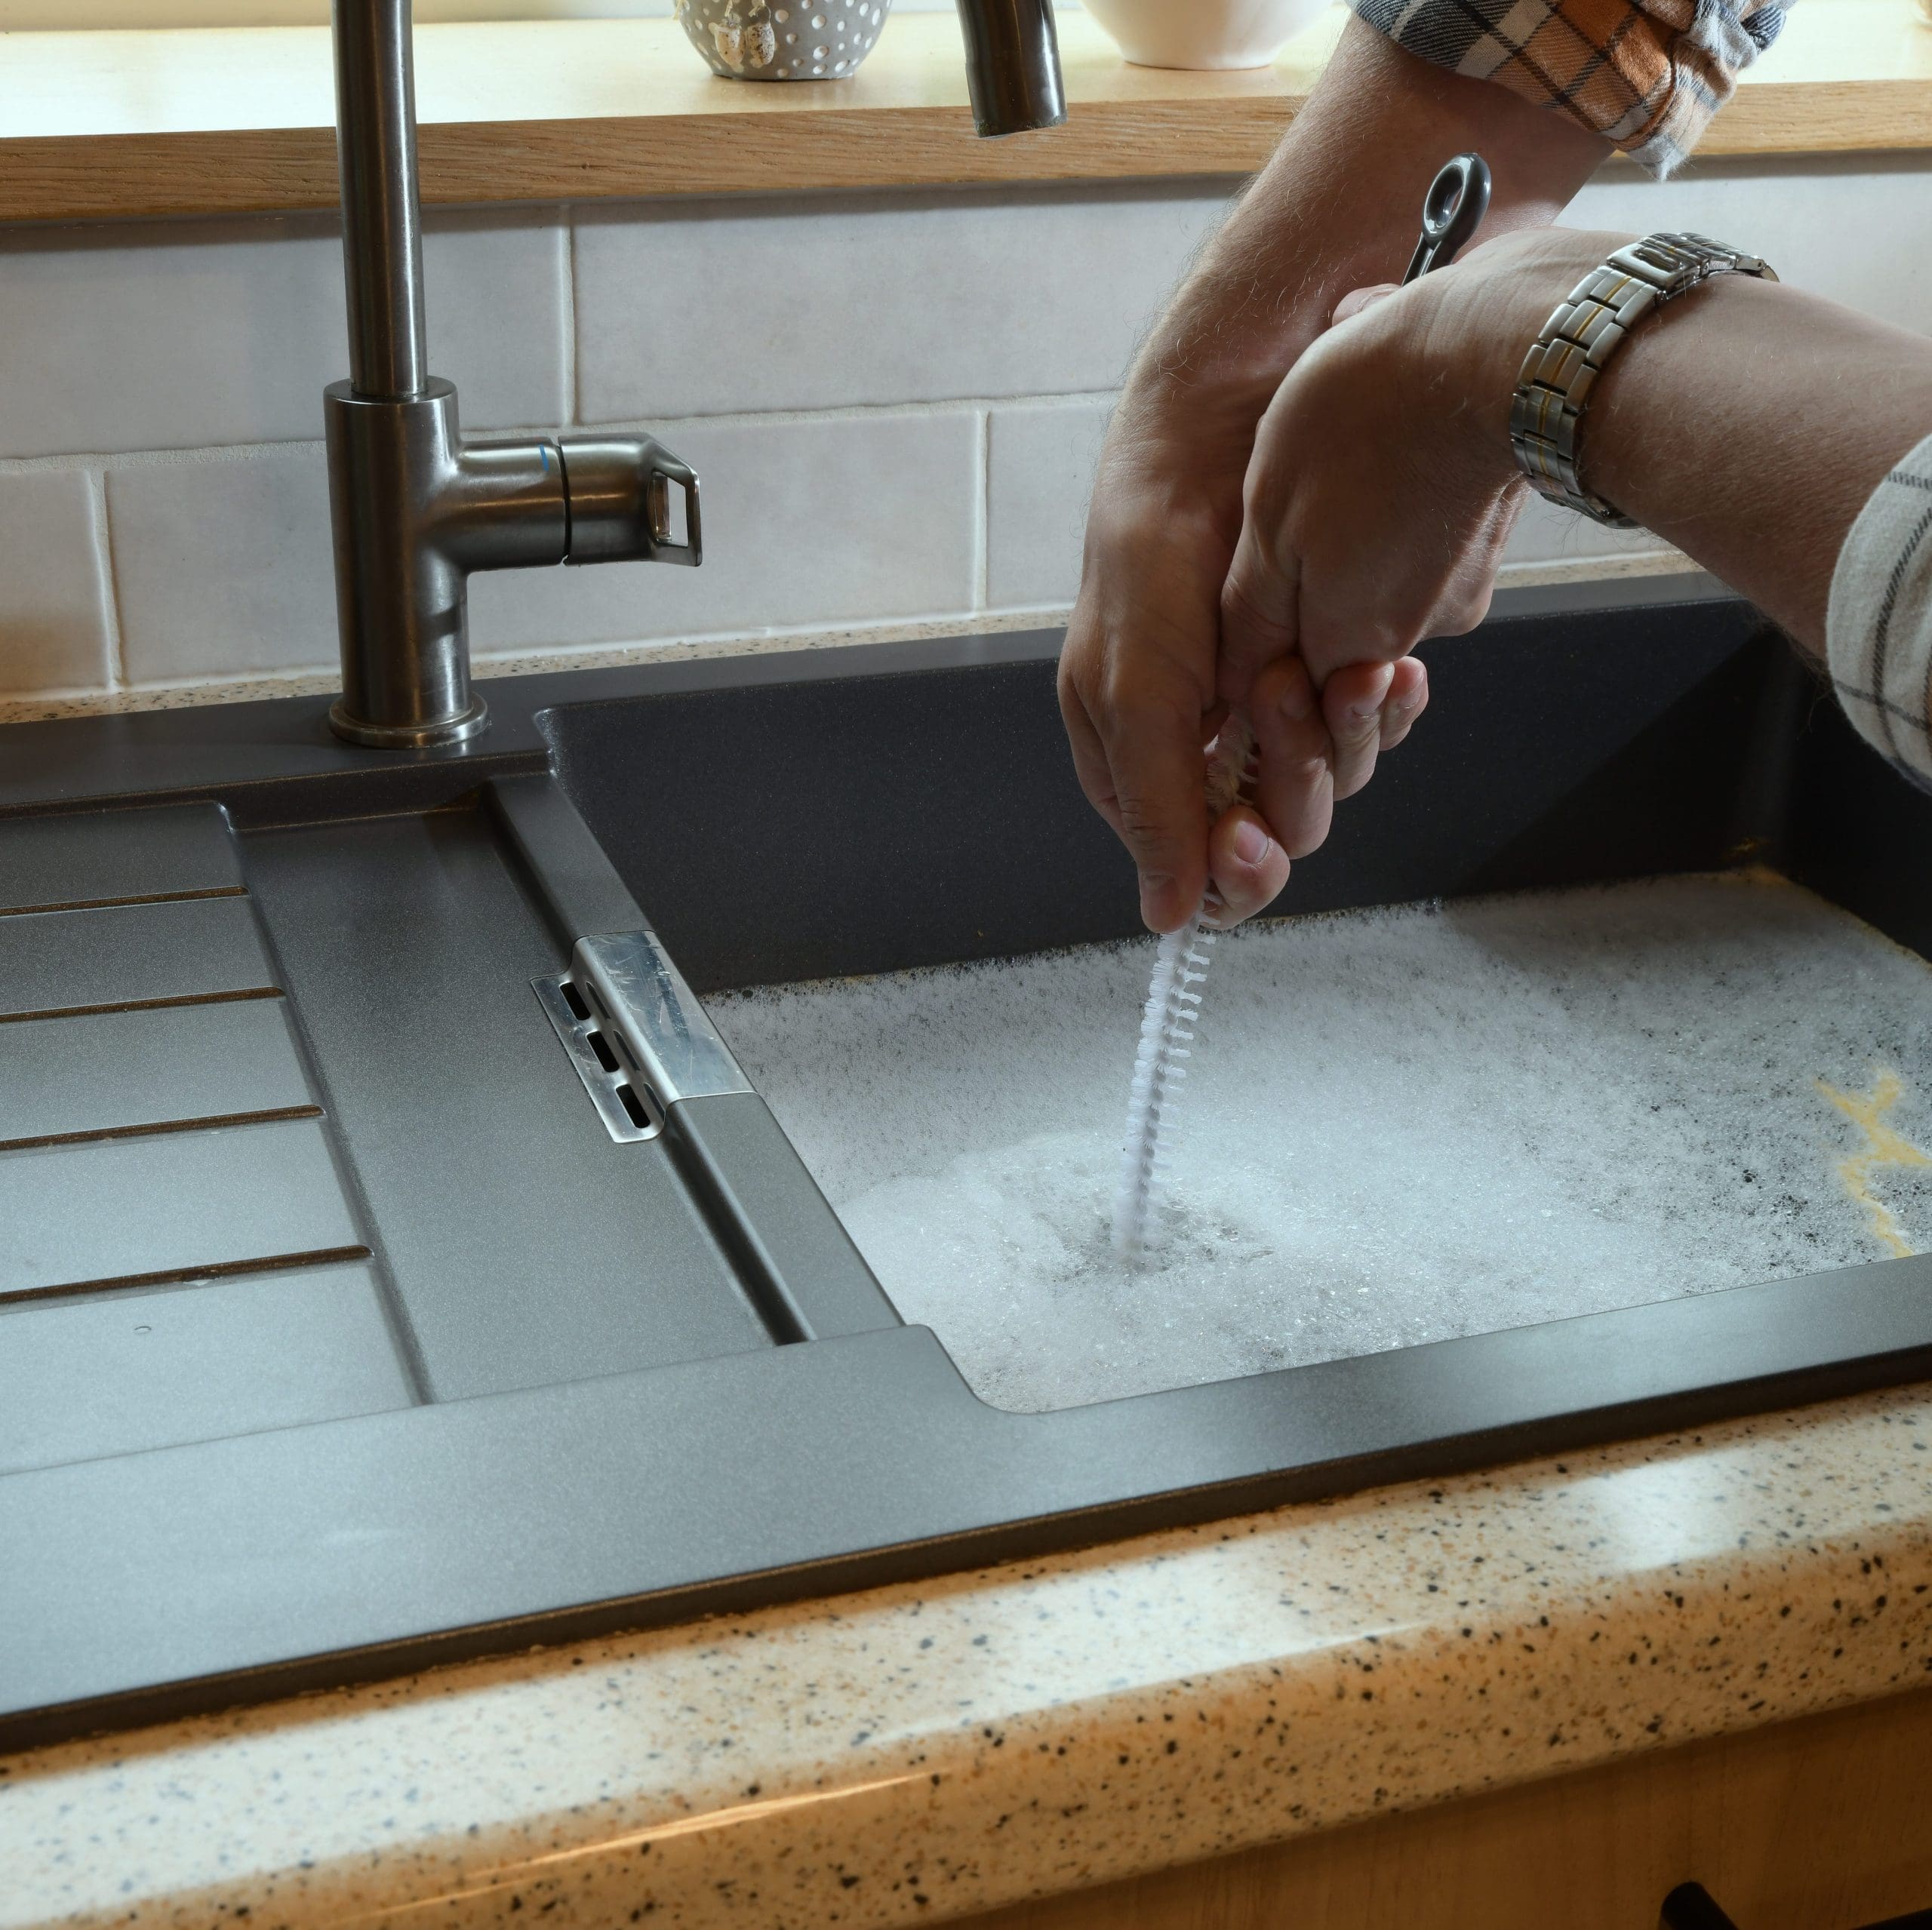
[[1013, 72], [382, 214]]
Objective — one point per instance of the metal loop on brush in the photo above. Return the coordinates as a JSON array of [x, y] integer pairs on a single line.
[[1452, 211]]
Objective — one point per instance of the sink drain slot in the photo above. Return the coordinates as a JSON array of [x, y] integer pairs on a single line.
[[636, 1034], [628, 1112]]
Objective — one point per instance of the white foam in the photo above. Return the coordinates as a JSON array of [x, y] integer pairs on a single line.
[[1401, 1126]]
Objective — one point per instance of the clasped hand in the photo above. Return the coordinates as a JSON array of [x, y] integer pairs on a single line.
[[1376, 500]]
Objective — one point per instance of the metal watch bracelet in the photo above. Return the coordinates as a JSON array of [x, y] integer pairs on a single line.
[[1561, 371]]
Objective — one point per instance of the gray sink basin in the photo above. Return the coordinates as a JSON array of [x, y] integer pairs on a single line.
[[371, 1295]]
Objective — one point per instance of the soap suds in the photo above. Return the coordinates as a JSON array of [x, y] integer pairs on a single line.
[[1401, 1125]]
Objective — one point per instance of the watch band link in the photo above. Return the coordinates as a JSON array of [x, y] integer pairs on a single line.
[[1562, 368]]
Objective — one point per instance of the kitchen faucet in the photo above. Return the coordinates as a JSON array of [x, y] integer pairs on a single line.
[[414, 507]]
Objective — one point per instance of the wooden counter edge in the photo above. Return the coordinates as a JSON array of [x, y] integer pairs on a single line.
[[268, 170]]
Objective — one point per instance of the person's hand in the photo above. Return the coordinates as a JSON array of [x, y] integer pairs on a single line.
[[1137, 689], [1337, 206], [1380, 492]]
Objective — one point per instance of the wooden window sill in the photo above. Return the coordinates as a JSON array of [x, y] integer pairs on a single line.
[[104, 124]]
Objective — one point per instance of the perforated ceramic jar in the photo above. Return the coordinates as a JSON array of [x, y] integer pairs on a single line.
[[783, 40]]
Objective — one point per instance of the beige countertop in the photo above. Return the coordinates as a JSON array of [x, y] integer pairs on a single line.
[[923, 1752], [227, 119]]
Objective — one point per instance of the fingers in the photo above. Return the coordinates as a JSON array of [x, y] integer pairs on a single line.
[[1138, 760], [1248, 868], [1317, 749], [1295, 787], [1369, 709], [1407, 699], [1352, 702], [1135, 689]]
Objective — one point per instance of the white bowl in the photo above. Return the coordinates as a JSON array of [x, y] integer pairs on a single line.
[[1204, 33]]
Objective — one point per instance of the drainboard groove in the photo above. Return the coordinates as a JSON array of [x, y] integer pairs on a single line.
[[81, 1136], [143, 1004], [131, 898], [221, 1270]]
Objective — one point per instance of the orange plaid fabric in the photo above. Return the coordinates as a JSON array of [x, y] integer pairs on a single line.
[[1647, 73]]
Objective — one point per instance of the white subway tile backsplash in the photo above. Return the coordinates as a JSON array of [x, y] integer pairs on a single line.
[[142, 336], [1040, 468], [1857, 228], [53, 627], [806, 523], [890, 315], [829, 301], [496, 288], [222, 563]]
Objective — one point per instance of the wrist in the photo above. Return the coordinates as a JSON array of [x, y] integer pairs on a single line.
[[1491, 310]]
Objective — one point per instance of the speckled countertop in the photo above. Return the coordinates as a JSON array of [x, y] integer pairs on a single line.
[[46, 706], [920, 1752]]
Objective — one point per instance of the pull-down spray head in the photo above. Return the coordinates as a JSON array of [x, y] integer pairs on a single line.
[[1013, 64]]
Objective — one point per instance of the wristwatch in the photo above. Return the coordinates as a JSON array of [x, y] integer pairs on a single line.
[[1560, 372]]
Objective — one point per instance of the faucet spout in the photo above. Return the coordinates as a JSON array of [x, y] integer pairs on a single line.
[[382, 216], [1012, 65], [415, 508]]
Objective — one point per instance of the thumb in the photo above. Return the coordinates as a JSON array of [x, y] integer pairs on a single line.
[[1356, 300]]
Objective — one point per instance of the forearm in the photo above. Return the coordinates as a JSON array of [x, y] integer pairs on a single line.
[[1747, 422], [1748, 425], [1338, 206]]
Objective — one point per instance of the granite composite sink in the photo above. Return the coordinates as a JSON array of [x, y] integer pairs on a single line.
[[339, 1332]]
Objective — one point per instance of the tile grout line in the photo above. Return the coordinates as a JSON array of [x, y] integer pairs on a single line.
[[104, 579], [857, 412], [983, 512], [569, 399]]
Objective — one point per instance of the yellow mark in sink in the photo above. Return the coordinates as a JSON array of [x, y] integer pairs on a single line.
[[1883, 1148]]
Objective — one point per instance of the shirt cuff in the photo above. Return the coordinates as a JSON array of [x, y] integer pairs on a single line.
[[1878, 624], [1648, 80]]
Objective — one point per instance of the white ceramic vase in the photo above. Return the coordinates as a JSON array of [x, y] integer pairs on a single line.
[[1204, 33]]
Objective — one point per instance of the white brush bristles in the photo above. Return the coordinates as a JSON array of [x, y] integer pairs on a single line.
[[1168, 1023]]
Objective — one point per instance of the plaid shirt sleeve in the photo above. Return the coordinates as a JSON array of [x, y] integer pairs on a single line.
[[1878, 626], [1647, 74]]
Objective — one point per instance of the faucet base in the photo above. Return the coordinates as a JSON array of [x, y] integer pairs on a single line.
[[458, 729]]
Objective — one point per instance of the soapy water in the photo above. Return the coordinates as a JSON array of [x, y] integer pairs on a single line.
[[1401, 1125]]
